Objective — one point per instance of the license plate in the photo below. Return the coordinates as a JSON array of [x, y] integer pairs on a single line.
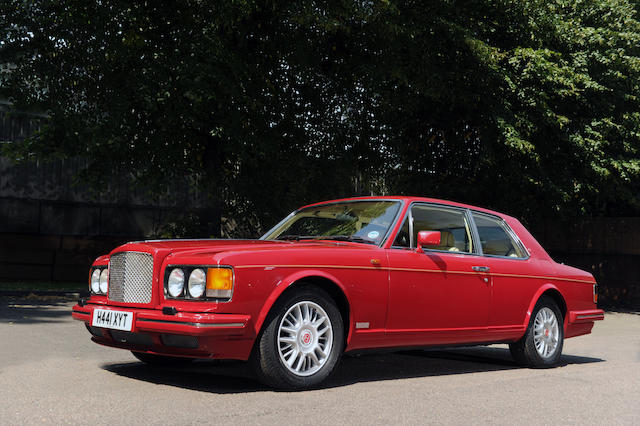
[[107, 318]]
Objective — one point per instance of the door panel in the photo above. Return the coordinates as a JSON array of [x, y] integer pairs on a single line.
[[437, 297], [437, 291]]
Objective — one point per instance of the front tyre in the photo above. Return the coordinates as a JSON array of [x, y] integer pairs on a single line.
[[301, 342], [541, 346]]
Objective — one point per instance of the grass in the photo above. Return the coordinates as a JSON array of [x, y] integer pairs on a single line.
[[42, 286]]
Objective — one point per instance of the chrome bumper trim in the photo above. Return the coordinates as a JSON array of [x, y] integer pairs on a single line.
[[194, 324]]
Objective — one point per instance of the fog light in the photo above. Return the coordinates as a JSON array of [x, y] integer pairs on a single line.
[[220, 282], [197, 281], [176, 282]]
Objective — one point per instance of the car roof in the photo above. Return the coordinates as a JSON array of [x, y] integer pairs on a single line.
[[410, 199]]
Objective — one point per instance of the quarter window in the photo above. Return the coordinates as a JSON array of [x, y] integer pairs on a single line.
[[495, 238]]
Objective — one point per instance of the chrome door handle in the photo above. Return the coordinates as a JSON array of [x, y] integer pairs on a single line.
[[481, 268]]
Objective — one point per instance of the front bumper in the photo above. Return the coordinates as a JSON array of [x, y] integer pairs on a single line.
[[223, 336]]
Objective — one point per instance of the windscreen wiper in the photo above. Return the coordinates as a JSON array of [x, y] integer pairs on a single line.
[[353, 238], [290, 237]]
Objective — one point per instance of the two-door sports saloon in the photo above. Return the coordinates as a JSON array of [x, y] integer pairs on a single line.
[[340, 276]]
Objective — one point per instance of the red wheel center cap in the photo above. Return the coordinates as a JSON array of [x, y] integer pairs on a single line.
[[306, 338], [546, 333]]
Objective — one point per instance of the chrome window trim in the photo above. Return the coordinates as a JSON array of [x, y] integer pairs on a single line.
[[464, 210], [410, 212], [277, 225], [474, 232], [382, 242], [394, 222]]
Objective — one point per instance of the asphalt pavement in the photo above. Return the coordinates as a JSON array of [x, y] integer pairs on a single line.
[[51, 373]]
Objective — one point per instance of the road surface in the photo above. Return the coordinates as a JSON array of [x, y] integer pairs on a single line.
[[51, 373]]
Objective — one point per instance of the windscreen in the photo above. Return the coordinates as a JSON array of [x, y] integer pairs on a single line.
[[359, 221]]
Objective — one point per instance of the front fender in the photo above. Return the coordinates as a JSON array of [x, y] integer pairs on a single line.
[[289, 280]]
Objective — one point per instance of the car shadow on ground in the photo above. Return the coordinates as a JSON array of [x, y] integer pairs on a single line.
[[34, 309], [236, 377]]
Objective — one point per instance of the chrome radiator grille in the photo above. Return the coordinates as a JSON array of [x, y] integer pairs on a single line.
[[131, 277]]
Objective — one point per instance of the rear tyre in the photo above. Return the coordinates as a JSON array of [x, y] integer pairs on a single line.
[[161, 360], [301, 341], [541, 346]]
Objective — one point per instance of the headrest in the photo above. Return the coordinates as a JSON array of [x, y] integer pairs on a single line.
[[446, 239]]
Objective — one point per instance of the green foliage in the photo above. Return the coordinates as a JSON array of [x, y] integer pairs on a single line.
[[527, 107]]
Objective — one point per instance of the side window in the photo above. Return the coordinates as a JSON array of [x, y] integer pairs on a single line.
[[455, 235], [494, 237], [452, 224]]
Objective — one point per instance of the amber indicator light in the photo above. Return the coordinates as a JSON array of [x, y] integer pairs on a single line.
[[219, 279]]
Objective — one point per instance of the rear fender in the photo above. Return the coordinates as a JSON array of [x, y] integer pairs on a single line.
[[545, 287]]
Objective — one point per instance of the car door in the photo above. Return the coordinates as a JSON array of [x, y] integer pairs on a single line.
[[441, 295], [514, 276]]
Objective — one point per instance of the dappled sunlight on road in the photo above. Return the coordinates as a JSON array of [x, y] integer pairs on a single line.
[[32, 309]]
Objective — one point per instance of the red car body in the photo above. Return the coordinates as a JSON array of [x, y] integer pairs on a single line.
[[388, 297]]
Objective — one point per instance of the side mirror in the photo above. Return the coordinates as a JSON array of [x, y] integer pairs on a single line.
[[427, 238]]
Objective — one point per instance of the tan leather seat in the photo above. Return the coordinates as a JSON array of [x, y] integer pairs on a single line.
[[447, 242], [501, 248]]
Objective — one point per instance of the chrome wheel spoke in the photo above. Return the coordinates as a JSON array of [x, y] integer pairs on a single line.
[[292, 355], [305, 338], [300, 362], [289, 330], [545, 332], [314, 358], [324, 331], [323, 354]]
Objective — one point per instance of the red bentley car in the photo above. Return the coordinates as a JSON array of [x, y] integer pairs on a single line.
[[340, 276]]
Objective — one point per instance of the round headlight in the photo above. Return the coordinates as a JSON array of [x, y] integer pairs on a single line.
[[104, 281], [95, 281], [197, 283], [176, 282]]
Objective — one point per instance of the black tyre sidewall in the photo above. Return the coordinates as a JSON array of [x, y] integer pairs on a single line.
[[266, 357]]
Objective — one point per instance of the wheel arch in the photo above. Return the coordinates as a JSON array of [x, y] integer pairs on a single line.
[[320, 279], [554, 293]]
